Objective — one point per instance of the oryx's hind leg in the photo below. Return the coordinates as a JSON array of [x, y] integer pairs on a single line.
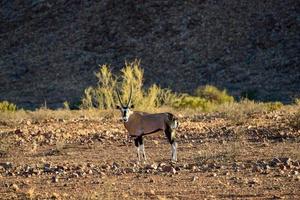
[[170, 133], [139, 143]]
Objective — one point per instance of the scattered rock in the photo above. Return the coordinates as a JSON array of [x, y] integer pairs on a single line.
[[90, 165], [286, 161], [162, 164], [275, 162], [296, 173], [6, 165], [257, 168], [296, 163], [226, 173], [152, 192], [276, 197], [253, 181], [75, 175], [152, 166], [213, 175], [15, 187], [129, 170], [151, 180], [169, 169], [194, 168], [281, 172], [54, 179], [194, 178], [102, 174], [282, 167]]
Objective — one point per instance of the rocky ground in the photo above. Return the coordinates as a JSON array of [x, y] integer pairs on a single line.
[[91, 159]]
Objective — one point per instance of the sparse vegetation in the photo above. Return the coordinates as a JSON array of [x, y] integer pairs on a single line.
[[103, 96], [6, 143], [66, 105], [294, 120], [193, 102], [297, 101], [213, 94], [239, 112], [6, 106], [132, 75], [272, 106]]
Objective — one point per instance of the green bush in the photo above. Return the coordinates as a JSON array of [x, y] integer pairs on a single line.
[[66, 105], [5, 106], [193, 103], [272, 106], [213, 94], [297, 101], [168, 98]]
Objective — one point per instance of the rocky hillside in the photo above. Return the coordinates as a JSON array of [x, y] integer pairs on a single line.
[[49, 50]]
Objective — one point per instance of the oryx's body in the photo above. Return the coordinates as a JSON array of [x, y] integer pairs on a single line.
[[139, 124]]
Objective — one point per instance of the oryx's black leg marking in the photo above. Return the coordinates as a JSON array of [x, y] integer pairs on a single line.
[[139, 143], [170, 135]]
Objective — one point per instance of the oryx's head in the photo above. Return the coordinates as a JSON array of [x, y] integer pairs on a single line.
[[125, 109]]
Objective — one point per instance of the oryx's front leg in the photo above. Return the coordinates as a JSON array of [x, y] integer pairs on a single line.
[[140, 148], [170, 133], [174, 151]]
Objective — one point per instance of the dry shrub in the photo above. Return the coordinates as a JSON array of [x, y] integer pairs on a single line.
[[103, 96], [192, 102], [41, 115], [66, 105], [60, 145], [6, 143], [207, 99], [273, 106], [224, 153], [240, 112], [132, 77], [297, 101], [6, 106], [213, 94], [294, 120]]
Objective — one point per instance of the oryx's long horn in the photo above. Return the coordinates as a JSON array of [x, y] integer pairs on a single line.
[[119, 98], [130, 96]]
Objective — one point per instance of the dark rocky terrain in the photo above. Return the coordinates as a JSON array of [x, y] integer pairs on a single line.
[[49, 50]]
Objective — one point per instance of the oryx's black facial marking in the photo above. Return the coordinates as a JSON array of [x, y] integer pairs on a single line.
[[125, 111]]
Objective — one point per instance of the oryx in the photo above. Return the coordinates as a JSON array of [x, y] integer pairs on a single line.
[[139, 124]]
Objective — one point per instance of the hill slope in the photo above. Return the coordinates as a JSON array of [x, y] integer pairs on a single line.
[[50, 49]]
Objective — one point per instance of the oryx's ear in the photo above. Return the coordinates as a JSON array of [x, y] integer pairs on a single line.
[[118, 107], [132, 106]]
